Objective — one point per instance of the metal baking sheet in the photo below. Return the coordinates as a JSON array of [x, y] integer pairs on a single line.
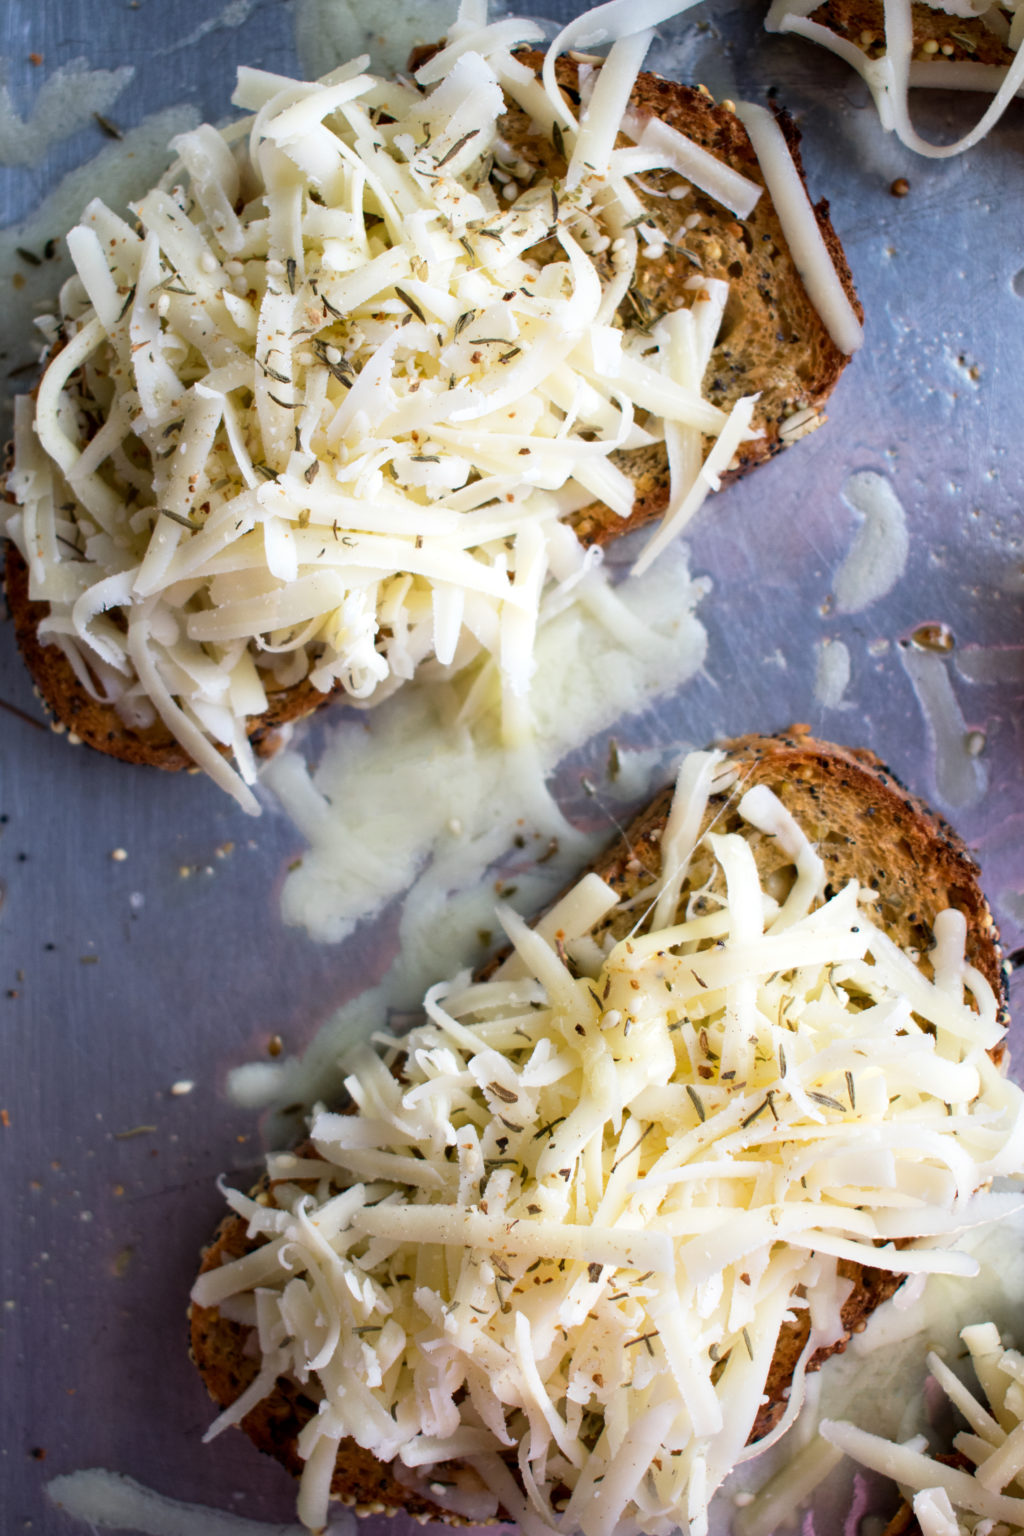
[[121, 977]]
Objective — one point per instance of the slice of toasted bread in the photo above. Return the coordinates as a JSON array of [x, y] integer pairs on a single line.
[[865, 827], [772, 342]]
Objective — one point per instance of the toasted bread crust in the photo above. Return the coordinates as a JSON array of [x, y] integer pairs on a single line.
[[866, 826], [772, 340], [98, 724]]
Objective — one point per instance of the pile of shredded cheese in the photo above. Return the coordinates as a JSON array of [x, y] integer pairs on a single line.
[[545, 1263], [321, 410], [948, 1500], [891, 75]]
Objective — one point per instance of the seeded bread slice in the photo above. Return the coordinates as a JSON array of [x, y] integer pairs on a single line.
[[937, 35], [865, 826], [771, 341]]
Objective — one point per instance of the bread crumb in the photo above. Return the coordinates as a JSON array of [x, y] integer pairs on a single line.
[[119, 855]]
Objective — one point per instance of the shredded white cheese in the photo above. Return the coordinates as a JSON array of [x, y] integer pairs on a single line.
[[543, 1265], [948, 1500], [320, 412], [892, 74]]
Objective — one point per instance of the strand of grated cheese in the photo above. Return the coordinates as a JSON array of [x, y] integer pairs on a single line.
[[891, 76], [949, 1501], [577, 1221]]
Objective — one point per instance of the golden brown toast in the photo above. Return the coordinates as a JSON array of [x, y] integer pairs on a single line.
[[865, 826], [772, 340]]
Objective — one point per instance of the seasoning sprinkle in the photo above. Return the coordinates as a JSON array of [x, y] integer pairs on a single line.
[[111, 130], [410, 302], [697, 1102], [459, 144], [506, 1095], [825, 1099], [633, 1148], [754, 1114]]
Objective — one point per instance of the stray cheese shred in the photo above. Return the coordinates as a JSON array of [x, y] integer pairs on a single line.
[[543, 1265], [897, 68], [985, 1495], [319, 413]]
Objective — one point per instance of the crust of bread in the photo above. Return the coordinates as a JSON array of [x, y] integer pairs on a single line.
[[967, 38], [865, 826], [73, 709], [772, 340]]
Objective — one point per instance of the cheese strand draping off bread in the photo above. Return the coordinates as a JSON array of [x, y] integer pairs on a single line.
[[373, 368], [573, 1248], [898, 45]]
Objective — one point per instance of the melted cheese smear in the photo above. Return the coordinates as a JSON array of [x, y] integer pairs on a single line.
[[418, 806], [544, 1266], [430, 784], [109, 1501]]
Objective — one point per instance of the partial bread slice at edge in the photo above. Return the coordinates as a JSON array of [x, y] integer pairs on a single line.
[[966, 38]]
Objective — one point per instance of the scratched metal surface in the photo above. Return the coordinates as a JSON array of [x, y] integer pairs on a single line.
[[120, 978]]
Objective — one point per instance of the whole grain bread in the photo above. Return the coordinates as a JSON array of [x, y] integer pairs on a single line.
[[98, 724], [865, 825], [772, 341], [937, 35]]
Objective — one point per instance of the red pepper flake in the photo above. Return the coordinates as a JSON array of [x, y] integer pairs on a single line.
[[5, 1119], [35, 58]]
